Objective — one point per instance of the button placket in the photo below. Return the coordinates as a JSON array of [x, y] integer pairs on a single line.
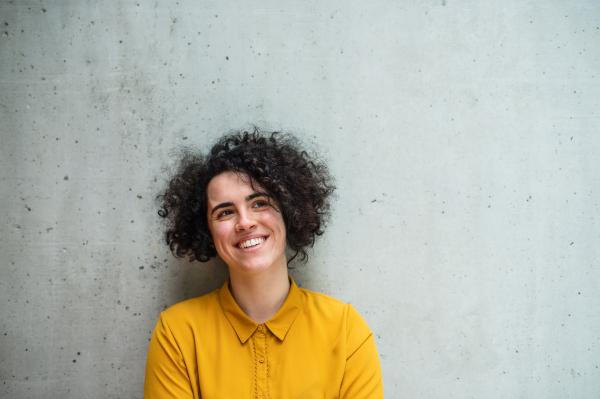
[[267, 360], [261, 363]]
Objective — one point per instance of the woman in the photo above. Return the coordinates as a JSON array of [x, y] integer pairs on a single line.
[[259, 335]]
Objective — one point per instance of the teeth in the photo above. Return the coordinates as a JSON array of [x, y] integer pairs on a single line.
[[251, 243]]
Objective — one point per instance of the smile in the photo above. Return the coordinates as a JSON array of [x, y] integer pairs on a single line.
[[251, 243]]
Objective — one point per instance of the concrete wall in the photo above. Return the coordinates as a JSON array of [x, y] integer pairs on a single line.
[[464, 136]]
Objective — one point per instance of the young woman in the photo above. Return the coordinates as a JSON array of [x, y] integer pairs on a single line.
[[259, 335]]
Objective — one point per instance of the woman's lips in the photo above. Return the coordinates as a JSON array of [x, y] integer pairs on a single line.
[[251, 242]]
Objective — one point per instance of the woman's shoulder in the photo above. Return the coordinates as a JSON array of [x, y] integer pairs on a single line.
[[193, 308], [330, 308], [317, 298], [322, 299]]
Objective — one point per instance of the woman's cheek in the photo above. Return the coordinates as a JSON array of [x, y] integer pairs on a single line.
[[220, 234]]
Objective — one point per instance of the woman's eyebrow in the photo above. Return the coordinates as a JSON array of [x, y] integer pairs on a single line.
[[248, 198], [256, 194], [223, 205]]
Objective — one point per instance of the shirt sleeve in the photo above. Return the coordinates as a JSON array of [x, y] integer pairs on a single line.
[[362, 376], [166, 373]]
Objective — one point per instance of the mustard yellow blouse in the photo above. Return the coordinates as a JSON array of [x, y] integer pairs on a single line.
[[314, 347]]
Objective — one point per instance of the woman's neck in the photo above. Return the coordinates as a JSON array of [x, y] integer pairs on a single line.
[[261, 295]]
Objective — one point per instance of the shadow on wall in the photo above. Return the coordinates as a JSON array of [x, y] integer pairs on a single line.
[[201, 278]]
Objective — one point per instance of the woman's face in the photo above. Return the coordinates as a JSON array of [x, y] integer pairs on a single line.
[[247, 232]]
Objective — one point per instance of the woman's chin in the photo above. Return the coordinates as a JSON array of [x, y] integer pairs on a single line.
[[253, 266]]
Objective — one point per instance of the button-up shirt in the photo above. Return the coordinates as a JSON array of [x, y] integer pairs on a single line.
[[314, 347]]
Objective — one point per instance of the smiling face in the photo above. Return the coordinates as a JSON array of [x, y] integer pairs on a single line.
[[248, 233]]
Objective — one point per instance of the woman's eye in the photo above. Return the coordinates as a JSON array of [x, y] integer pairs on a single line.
[[260, 204], [225, 213]]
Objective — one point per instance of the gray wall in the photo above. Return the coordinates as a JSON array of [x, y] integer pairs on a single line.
[[463, 135]]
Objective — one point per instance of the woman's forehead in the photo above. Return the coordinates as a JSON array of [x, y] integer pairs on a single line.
[[229, 185]]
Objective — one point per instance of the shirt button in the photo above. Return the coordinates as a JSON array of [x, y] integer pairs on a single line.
[[260, 327], [262, 360]]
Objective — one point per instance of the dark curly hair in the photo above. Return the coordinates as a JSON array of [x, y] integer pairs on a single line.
[[299, 184]]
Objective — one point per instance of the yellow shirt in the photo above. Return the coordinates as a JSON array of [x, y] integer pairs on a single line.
[[314, 347]]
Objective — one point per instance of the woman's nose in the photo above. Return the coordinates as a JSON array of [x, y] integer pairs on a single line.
[[245, 221]]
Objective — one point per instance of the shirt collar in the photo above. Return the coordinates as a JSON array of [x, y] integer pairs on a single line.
[[279, 324]]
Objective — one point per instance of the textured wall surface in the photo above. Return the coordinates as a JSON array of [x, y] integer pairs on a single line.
[[464, 136]]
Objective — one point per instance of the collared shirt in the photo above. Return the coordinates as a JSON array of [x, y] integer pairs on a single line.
[[314, 347]]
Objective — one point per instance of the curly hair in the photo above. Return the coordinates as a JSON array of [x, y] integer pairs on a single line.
[[299, 184]]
